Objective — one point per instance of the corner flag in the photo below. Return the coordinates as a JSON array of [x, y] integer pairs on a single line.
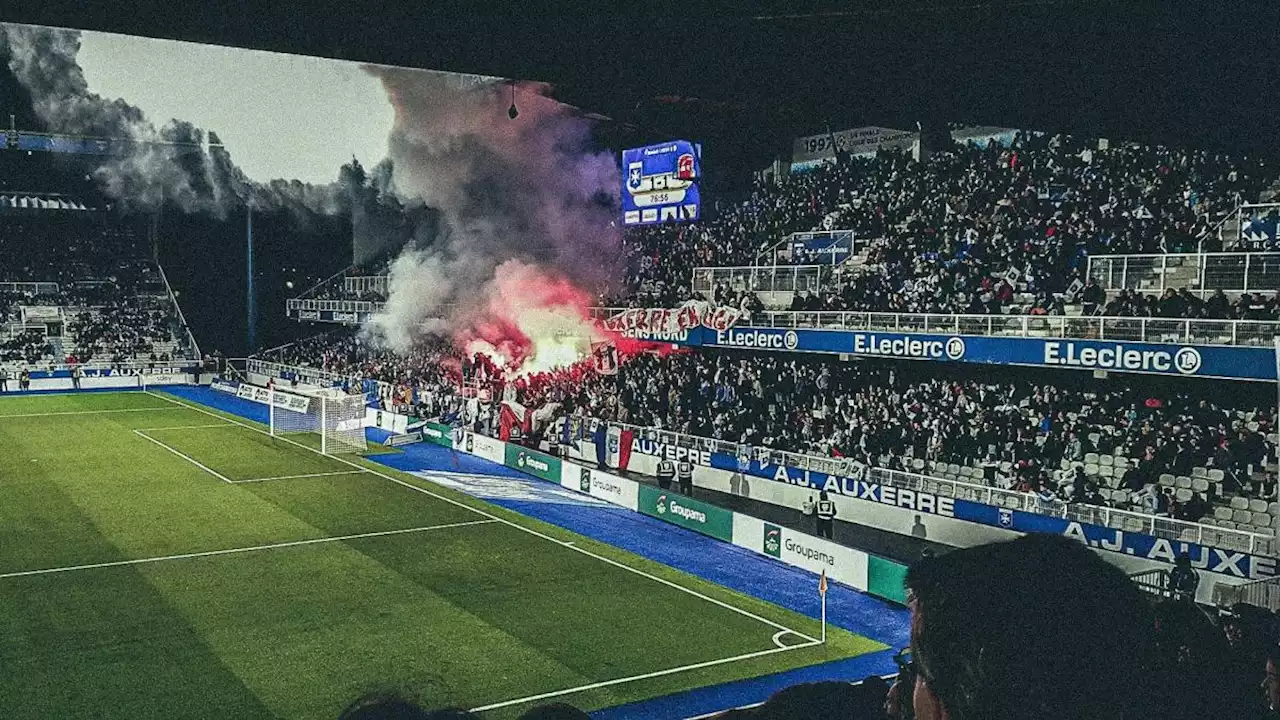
[[822, 591]]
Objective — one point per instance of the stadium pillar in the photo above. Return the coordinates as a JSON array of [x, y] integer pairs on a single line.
[[1275, 427], [252, 304]]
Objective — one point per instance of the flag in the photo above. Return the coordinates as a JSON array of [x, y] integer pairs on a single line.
[[604, 357], [619, 448], [512, 417], [602, 448], [822, 583]]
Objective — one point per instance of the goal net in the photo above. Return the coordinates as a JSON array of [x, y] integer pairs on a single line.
[[332, 416]]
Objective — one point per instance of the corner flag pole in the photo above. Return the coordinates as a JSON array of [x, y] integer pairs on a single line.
[[822, 591]]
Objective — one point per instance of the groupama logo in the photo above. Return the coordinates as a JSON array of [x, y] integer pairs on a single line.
[[688, 513], [525, 459], [772, 540]]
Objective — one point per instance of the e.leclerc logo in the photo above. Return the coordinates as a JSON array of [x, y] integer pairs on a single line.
[[772, 540], [1185, 360]]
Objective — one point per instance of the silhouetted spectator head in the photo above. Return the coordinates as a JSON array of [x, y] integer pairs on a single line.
[[556, 711], [1039, 627], [1271, 682]]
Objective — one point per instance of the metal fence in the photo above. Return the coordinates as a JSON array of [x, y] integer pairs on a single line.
[[760, 278], [39, 288], [1264, 593], [361, 284], [1201, 273], [1254, 333], [1125, 520], [348, 306], [308, 375]]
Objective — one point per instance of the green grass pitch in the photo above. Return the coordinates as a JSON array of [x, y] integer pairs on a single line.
[[161, 560]]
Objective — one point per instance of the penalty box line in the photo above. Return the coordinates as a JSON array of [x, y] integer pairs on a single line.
[[240, 550], [563, 543], [186, 457]]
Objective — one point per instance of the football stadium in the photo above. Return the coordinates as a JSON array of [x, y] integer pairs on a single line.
[[345, 389]]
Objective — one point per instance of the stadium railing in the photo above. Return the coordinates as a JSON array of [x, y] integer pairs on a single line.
[[348, 306], [761, 278], [1200, 273], [1257, 333], [191, 339], [1125, 520], [1154, 582], [1264, 593], [311, 376], [39, 288]]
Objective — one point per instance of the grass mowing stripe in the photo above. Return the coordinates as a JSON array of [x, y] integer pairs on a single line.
[[84, 412], [185, 456], [531, 531], [236, 551], [645, 676]]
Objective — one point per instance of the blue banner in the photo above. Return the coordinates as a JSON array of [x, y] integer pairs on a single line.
[[59, 143], [660, 183], [112, 372], [857, 486], [823, 250], [1261, 231], [1213, 361]]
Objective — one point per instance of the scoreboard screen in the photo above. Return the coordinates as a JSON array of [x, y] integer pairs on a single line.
[[660, 183]]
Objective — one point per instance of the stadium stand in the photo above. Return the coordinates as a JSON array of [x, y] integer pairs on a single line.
[[77, 286], [1186, 451]]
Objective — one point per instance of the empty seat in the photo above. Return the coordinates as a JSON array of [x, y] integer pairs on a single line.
[[1216, 475], [1222, 513], [1241, 516], [1106, 460], [1199, 484], [1090, 469], [1239, 503], [917, 464], [1166, 480], [1105, 493], [1106, 471], [1182, 495], [1273, 508], [1257, 505], [1091, 458], [1261, 520], [1199, 472], [1182, 481]]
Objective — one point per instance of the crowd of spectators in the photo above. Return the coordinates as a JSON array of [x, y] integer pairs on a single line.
[[112, 304], [1026, 430], [958, 224]]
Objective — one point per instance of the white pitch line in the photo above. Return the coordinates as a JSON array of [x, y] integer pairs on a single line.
[[645, 676], [234, 551], [294, 477], [504, 521], [87, 412], [183, 427], [185, 456]]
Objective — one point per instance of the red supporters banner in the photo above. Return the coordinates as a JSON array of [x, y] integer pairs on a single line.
[[604, 357], [664, 320]]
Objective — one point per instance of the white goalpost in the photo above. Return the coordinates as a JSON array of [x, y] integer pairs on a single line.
[[336, 417]]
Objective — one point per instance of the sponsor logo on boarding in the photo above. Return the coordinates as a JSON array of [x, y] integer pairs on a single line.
[[526, 460], [471, 442], [1186, 360], [679, 510], [584, 480], [346, 317], [764, 339], [432, 432], [772, 540], [308, 314], [952, 348], [794, 547]]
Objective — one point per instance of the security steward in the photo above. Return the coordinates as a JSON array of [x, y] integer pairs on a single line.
[[826, 516], [685, 471], [666, 473]]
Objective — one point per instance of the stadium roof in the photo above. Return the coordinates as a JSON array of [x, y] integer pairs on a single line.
[[1187, 73]]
